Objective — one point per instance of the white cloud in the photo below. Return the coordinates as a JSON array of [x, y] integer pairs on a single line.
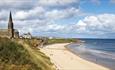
[[100, 24], [21, 15], [80, 26], [17, 4], [14, 2], [41, 12], [3, 14], [39, 16], [56, 2], [37, 26], [65, 13], [30, 14], [94, 25]]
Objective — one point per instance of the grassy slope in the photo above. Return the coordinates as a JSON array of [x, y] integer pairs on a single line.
[[14, 56], [38, 57], [52, 41]]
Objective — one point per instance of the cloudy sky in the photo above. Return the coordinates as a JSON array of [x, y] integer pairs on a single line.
[[61, 18]]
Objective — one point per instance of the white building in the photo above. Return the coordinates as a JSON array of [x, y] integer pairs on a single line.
[[27, 35]]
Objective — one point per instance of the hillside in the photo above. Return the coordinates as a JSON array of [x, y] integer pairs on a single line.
[[20, 56]]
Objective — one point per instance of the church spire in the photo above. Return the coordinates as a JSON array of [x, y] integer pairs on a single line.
[[11, 26], [10, 23]]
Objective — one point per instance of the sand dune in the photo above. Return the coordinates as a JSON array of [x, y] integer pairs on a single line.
[[66, 60]]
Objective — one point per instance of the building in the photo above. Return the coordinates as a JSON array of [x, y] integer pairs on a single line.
[[27, 36], [10, 32]]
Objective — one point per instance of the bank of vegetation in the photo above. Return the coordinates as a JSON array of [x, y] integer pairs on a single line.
[[61, 40], [20, 56]]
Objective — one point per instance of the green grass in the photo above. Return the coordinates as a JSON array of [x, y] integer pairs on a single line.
[[17, 56], [39, 58], [53, 41]]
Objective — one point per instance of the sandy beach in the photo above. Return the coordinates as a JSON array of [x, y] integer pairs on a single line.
[[66, 60]]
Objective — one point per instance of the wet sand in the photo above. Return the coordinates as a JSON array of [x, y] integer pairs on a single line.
[[66, 60]]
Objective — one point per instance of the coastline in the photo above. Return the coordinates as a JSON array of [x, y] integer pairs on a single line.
[[64, 59], [87, 59]]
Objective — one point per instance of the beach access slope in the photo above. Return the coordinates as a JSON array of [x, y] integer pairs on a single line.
[[66, 60]]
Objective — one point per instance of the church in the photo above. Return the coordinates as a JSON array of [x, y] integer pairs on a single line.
[[10, 32]]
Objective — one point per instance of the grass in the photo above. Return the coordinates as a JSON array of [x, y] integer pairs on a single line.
[[53, 41], [20, 56], [13, 56], [38, 57]]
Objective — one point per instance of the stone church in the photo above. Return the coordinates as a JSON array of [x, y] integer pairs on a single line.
[[10, 32]]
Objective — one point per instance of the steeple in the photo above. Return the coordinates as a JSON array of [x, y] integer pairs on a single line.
[[10, 23], [11, 26]]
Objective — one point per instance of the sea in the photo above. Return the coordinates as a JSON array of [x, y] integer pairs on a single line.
[[99, 51]]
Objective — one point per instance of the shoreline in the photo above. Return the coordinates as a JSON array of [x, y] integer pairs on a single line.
[[89, 59], [83, 57], [64, 59]]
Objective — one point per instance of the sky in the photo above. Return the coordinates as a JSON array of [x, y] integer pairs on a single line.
[[61, 18]]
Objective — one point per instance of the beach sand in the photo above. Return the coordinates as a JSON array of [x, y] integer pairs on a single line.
[[66, 60]]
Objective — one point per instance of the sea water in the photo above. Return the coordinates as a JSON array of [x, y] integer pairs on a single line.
[[99, 51]]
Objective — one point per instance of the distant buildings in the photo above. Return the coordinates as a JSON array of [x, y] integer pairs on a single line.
[[26, 36], [10, 32]]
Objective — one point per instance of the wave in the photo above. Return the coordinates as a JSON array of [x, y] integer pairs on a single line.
[[97, 52], [84, 50], [102, 54]]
